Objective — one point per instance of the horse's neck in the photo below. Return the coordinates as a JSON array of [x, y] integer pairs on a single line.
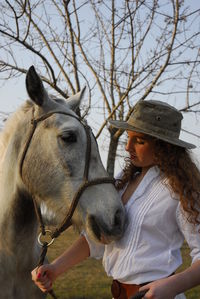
[[18, 225], [16, 207]]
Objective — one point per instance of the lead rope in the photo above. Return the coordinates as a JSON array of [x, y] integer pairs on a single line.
[[41, 262]]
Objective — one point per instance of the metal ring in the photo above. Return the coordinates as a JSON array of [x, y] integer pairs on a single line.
[[49, 232]]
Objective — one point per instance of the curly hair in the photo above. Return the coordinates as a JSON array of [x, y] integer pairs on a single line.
[[183, 176]]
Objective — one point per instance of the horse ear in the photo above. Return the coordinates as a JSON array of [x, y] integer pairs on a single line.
[[75, 100], [35, 87]]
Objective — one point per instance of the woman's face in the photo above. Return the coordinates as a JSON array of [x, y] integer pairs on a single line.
[[141, 149]]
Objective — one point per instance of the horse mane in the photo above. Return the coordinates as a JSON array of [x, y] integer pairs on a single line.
[[10, 126]]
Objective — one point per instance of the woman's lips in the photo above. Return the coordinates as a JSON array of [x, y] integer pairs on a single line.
[[133, 157]]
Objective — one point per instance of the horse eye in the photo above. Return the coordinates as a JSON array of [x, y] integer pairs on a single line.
[[69, 137]]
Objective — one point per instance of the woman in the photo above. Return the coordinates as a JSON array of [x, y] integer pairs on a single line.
[[160, 190]]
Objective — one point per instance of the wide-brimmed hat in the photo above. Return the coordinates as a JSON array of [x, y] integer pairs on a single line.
[[157, 119]]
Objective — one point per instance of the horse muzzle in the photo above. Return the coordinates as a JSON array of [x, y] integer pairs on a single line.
[[106, 233]]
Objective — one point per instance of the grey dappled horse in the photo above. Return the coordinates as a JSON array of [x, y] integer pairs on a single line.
[[52, 171]]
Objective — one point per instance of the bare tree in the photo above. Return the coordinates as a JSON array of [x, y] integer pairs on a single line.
[[124, 51]]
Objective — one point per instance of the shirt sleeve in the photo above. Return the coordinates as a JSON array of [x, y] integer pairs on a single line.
[[96, 249], [190, 232]]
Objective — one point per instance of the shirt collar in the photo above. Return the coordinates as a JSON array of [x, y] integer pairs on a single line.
[[149, 177]]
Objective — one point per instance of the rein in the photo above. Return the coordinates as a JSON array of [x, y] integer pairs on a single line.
[[67, 221]]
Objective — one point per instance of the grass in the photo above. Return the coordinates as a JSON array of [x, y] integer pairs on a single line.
[[88, 280]]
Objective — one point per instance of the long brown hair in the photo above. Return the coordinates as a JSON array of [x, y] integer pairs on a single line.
[[183, 176]]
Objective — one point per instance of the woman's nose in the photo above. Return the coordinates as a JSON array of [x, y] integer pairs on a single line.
[[129, 146]]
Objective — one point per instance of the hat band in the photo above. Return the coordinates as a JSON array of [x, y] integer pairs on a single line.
[[151, 129]]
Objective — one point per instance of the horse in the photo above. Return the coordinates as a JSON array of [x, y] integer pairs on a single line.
[[48, 165]]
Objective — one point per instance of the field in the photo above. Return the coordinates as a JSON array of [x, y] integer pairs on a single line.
[[88, 280]]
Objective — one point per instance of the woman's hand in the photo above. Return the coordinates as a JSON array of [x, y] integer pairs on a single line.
[[44, 277], [168, 288], [160, 289]]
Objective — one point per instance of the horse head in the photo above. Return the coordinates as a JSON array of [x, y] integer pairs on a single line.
[[54, 163]]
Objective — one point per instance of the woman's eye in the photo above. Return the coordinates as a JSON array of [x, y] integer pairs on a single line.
[[140, 141], [69, 137]]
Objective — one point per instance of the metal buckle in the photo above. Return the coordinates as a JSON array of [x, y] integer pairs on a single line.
[[48, 232]]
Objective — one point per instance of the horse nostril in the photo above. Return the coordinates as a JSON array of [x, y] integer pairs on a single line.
[[118, 219], [95, 226]]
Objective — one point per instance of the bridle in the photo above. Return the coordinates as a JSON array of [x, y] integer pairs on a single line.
[[67, 221]]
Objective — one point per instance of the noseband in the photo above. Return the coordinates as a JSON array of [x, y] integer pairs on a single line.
[[85, 183]]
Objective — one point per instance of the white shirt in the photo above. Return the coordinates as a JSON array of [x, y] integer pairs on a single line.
[[150, 247]]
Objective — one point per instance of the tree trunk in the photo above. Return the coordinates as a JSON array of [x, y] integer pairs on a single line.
[[112, 152]]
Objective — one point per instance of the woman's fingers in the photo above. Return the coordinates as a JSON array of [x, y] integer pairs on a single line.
[[41, 278], [45, 287]]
